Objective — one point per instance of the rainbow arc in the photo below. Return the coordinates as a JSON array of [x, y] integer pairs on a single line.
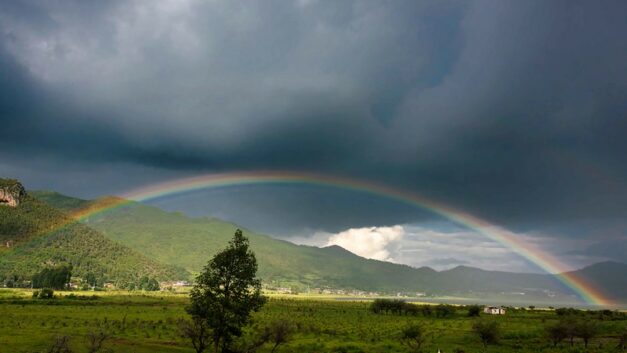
[[508, 239]]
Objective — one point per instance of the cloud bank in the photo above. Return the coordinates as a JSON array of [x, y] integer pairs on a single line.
[[513, 111]]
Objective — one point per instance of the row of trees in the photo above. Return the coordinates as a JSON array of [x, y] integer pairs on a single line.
[[401, 307], [489, 332], [414, 336], [571, 327], [59, 277]]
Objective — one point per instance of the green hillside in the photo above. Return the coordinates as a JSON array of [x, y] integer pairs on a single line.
[[34, 236], [59, 201], [176, 239]]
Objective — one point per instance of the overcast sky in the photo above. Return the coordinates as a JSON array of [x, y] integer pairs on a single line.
[[513, 111]]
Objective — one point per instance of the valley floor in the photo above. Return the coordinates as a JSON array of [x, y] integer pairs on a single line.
[[148, 323]]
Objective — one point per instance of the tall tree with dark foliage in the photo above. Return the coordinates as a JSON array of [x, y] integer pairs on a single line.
[[227, 292]]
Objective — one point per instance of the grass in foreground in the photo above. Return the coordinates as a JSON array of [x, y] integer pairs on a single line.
[[148, 323]]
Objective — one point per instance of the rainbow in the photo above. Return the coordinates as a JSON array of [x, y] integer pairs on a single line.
[[533, 254]]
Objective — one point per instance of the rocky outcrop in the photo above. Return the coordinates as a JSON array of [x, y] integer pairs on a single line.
[[11, 192]]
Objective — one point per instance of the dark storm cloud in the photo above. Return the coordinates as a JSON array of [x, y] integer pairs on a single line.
[[512, 110]]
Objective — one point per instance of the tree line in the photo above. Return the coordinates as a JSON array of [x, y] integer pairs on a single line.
[[401, 307]]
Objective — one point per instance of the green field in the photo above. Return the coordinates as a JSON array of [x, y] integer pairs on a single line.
[[148, 323]]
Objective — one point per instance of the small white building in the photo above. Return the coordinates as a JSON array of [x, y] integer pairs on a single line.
[[494, 310]]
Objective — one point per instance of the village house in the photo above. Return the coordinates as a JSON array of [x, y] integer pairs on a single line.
[[494, 310], [174, 284]]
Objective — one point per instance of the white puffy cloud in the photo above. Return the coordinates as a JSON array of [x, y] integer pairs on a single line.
[[442, 246], [439, 246], [379, 243]]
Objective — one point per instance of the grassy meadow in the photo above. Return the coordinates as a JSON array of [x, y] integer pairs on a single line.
[[143, 322]]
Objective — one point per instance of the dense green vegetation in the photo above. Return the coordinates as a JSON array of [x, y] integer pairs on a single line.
[[54, 277], [150, 323], [59, 201], [42, 237]]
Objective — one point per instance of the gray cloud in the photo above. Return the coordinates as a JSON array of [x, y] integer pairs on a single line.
[[514, 111]]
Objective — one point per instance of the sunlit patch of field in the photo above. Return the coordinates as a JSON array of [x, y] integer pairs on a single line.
[[147, 322]]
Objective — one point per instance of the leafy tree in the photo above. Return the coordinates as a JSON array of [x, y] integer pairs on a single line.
[[152, 285], [474, 310], [426, 310], [56, 277], [567, 311], [488, 331], [586, 330], [444, 310], [413, 336], [411, 309], [91, 280], [557, 332], [226, 292], [570, 324]]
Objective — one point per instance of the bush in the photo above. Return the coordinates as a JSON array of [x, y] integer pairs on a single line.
[[56, 277], [444, 310], [45, 293], [396, 306], [489, 331], [474, 310], [557, 332], [586, 330], [567, 311], [413, 336]]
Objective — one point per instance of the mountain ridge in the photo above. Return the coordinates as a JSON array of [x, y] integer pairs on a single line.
[[188, 242]]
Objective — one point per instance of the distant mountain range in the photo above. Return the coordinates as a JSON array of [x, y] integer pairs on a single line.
[[136, 239]]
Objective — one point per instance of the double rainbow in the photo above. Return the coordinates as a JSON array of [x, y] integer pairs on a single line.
[[542, 259]]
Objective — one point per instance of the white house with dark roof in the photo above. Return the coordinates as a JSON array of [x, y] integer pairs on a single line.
[[494, 310]]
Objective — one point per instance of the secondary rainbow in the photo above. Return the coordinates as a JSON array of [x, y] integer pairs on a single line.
[[537, 256]]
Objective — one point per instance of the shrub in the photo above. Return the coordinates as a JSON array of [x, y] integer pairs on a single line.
[[567, 311], [489, 331], [474, 310], [413, 337], [557, 332], [45, 293], [586, 330], [444, 310]]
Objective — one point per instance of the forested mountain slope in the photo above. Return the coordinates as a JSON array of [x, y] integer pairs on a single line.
[[34, 235]]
